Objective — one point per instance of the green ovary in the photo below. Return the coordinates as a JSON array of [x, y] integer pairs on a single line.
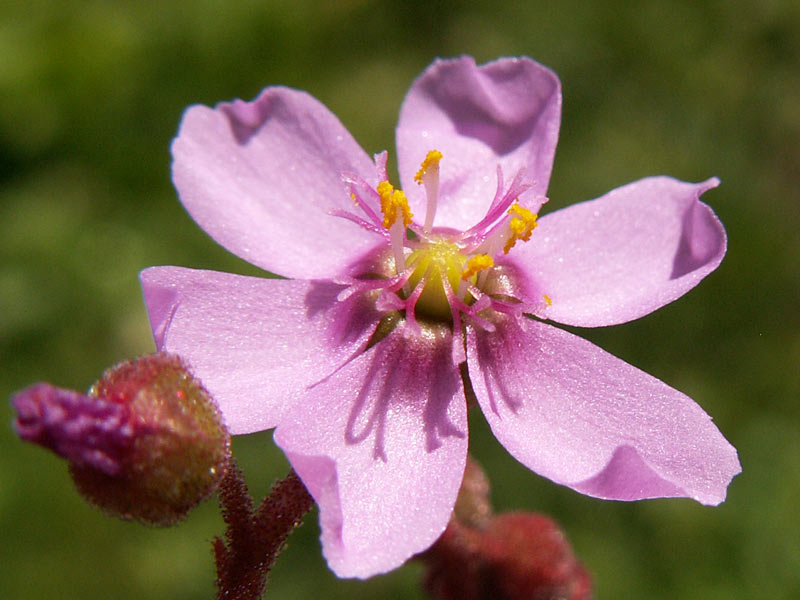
[[440, 258]]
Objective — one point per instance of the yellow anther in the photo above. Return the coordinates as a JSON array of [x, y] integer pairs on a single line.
[[479, 262], [385, 188], [353, 198], [393, 202], [547, 300], [522, 224], [431, 161]]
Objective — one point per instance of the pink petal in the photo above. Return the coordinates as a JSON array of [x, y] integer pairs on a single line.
[[624, 255], [255, 344], [382, 445], [506, 112], [262, 177], [585, 419]]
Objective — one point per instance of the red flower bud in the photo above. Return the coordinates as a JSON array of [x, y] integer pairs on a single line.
[[517, 556], [146, 443], [506, 556]]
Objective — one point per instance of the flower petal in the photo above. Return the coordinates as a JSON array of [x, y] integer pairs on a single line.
[[382, 446], [585, 419], [622, 256], [255, 344], [505, 112], [262, 178]]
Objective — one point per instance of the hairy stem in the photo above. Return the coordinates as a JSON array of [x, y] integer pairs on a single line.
[[254, 536]]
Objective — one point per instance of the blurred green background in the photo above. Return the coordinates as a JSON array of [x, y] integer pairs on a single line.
[[91, 94]]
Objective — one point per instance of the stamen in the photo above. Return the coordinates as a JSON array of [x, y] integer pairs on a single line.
[[547, 300], [428, 175], [522, 225], [393, 205], [477, 263], [502, 200], [431, 162]]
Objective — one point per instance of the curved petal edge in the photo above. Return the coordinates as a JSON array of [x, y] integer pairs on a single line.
[[254, 343], [622, 256], [505, 113], [586, 419], [263, 178]]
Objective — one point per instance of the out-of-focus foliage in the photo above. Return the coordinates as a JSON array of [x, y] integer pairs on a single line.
[[91, 94]]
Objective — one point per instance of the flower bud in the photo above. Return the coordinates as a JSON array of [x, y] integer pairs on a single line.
[[518, 556], [506, 556], [146, 443]]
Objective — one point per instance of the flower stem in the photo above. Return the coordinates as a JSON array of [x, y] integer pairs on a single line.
[[254, 537]]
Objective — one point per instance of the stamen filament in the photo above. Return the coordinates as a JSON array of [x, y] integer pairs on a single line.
[[428, 175], [396, 234]]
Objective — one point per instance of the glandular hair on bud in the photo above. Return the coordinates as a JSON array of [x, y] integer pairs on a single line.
[[179, 445], [165, 450]]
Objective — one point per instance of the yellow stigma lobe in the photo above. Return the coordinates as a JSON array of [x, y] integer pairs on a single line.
[[522, 224], [393, 204], [479, 262], [431, 161]]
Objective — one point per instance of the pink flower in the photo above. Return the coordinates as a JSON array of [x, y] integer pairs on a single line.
[[361, 359]]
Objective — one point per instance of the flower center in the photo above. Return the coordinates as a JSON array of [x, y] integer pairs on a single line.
[[436, 261], [442, 275]]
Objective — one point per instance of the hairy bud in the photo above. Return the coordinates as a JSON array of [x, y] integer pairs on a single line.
[[146, 443], [506, 556]]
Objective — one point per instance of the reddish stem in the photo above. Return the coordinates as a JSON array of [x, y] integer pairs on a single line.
[[254, 538]]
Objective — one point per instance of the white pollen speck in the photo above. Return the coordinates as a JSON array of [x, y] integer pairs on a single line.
[[424, 134]]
